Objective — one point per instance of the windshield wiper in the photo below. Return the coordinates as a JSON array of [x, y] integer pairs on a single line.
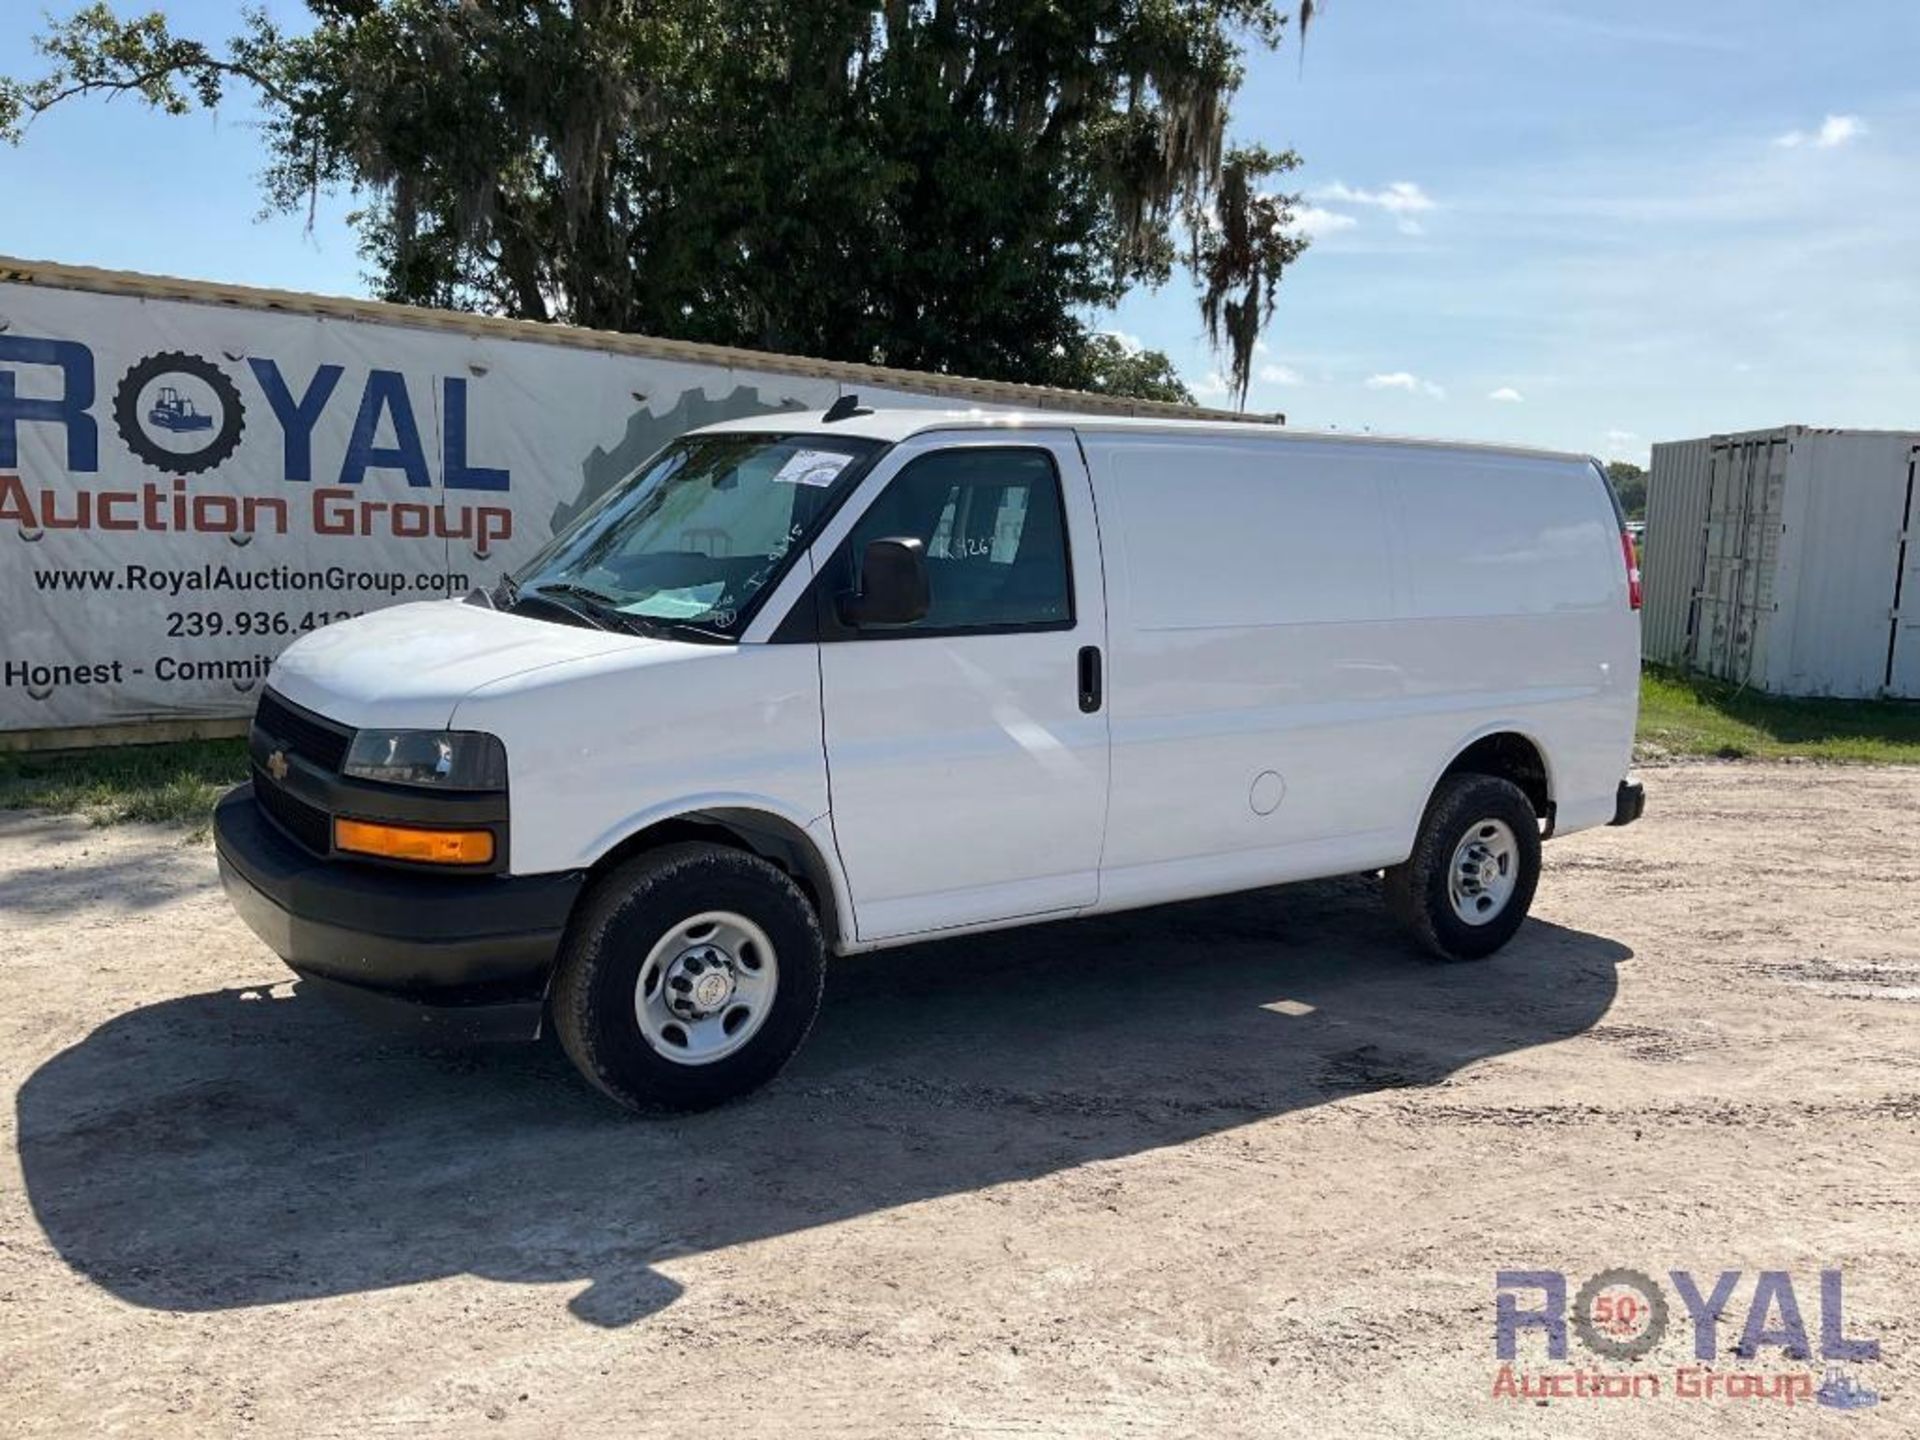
[[595, 606], [579, 592], [700, 632], [599, 607]]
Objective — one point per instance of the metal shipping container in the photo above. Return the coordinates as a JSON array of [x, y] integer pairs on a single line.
[[1788, 560]]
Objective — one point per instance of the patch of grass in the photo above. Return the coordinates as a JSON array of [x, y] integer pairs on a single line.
[[173, 784], [1689, 715]]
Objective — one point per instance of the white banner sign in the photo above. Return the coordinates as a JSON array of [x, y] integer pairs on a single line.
[[187, 488]]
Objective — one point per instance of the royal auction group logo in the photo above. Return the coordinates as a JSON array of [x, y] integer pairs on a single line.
[[355, 454], [1620, 1317], [179, 413]]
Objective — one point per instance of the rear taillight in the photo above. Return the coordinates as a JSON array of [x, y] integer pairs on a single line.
[[1633, 568]]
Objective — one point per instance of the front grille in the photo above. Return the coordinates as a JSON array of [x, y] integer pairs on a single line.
[[307, 824], [308, 735]]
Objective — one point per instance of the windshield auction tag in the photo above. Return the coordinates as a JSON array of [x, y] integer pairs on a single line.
[[812, 467]]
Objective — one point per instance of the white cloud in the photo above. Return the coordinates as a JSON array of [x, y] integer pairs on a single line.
[[1624, 445], [1128, 342], [1281, 375], [1312, 221], [1402, 197], [1403, 380], [1411, 227], [1834, 131], [1838, 129], [1507, 395], [1214, 387]]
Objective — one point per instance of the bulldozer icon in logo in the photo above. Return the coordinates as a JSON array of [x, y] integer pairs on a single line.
[[173, 411], [152, 431]]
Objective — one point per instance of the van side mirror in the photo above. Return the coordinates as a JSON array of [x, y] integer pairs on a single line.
[[894, 589]]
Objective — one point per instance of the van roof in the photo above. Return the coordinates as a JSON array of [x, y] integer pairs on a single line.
[[896, 424]]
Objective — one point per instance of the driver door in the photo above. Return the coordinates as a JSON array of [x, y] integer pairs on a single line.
[[967, 751]]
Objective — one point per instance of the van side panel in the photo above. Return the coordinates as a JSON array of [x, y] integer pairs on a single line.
[[1303, 634], [1250, 598], [1516, 588]]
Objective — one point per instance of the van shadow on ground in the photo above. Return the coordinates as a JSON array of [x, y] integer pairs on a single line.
[[232, 1149]]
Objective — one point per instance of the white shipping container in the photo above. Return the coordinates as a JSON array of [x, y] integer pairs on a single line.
[[1788, 560]]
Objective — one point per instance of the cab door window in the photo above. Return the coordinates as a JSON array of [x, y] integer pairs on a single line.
[[994, 527]]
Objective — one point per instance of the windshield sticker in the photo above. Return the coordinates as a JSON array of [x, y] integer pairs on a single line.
[[681, 604], [812, 467]]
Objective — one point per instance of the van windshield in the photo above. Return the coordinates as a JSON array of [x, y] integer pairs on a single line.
[[691, 542]]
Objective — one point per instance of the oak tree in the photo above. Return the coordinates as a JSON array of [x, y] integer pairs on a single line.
[[948, 185]]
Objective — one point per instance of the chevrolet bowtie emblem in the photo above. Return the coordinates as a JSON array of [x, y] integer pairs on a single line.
[[277, 765]]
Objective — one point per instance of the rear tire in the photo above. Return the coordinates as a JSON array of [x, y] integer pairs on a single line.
[[688, 978], [1469, 882]]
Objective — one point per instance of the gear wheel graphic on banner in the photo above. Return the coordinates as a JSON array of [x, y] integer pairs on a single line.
[[177, 413]]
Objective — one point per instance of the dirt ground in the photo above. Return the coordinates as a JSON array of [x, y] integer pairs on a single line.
[[1240, 1167]]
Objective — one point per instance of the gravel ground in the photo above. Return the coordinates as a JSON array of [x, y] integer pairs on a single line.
[[1240, 1167]]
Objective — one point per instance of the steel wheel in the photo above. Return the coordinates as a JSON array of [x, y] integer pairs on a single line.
[[653, 1029], [1464, 890], [706, 988], [1484, 871]]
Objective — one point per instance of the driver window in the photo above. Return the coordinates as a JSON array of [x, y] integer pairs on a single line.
[[995, 532]]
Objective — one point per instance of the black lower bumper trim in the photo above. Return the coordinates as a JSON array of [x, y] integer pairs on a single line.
[[1629, 803], [452, 940], [494, 1020]]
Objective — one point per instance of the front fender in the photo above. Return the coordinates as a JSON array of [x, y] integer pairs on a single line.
[[756, 819]]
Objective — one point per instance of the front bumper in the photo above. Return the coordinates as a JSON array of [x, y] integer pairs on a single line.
[[469, 953]]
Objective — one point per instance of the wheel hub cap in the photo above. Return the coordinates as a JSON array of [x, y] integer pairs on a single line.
[[706, 987], [699, 982], [1484, 872]]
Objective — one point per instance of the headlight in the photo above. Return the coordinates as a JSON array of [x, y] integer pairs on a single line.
[[444, 759]]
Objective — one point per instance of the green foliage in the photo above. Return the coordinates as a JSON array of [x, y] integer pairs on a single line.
[[93, 50], [1107, 366], [1630, 484], [939, 184], [1684, 714], [1241, 246], [173, 784]]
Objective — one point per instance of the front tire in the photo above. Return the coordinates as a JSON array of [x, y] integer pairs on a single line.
[[1467, 886], [689, 977]]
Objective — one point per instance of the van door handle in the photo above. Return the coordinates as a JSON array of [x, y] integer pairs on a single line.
[[1089, 678]]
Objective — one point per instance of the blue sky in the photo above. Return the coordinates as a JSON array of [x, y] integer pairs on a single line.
[[1584, 224]]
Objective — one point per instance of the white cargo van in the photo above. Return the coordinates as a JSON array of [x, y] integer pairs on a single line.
[[811, 684]]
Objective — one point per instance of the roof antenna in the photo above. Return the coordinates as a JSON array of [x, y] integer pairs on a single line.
[[845, 408]]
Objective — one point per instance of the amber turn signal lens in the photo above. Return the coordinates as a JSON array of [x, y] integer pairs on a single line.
[[400, 842]]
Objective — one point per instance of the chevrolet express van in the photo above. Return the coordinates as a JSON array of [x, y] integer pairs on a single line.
[[823, 684]]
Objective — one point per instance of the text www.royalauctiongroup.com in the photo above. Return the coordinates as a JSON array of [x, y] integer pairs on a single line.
[[228, 579]]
